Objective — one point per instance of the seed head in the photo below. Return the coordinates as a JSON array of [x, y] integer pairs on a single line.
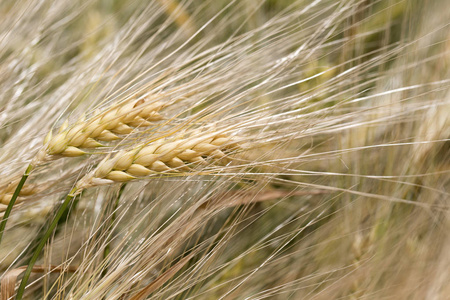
[[160, 157], [104, 126]]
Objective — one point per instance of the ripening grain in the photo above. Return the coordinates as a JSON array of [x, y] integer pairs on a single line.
[[256, 149]]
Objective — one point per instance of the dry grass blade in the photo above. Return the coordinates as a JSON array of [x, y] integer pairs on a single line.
[[163, 278], [244, 198], [8, 283], [9, 280]]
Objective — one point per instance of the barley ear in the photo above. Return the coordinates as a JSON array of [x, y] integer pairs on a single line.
[[104, 126], [176, 156]]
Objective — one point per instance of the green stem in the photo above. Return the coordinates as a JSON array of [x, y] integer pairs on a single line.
[[42, 243], [13, 200], [107, 249], [32, 246]]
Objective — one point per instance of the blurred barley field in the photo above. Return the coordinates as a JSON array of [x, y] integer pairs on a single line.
[[211, 149]]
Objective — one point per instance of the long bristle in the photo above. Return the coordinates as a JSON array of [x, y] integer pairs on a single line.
[[294, 149]]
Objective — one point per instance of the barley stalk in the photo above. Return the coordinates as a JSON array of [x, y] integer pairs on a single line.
[[26, 190], [107, 249], [120, 119], [12, 200], [42, 243], [339, 95], [156, 158]]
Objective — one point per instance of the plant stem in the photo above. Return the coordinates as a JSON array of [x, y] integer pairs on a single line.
[[64, 218], [42, 243], [13, 200], [107, 249]]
